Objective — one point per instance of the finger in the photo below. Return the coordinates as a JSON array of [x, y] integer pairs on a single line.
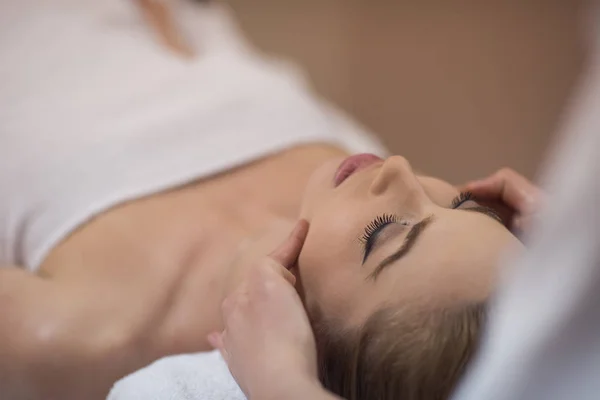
[[509, 187], [271, 270], [228, 303], [286, 274], [287, 253], [523, 223], [215, 339], [277, 284]]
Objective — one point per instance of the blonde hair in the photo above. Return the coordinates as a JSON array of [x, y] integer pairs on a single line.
[[399, 355]]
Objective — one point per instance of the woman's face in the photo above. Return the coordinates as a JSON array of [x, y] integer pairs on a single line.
[[379, 234]]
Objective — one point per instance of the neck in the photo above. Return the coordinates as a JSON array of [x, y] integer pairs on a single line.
[[250, 199], [175, 249]]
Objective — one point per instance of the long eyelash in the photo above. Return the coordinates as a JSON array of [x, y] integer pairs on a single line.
[[375, 225], [461, 198]]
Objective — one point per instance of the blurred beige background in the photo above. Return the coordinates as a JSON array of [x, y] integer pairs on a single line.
[[460, 88]]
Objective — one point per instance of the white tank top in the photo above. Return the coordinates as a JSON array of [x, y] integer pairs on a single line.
[[95, 112]]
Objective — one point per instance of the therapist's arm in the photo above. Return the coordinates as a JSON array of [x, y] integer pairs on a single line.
[[268, 342]]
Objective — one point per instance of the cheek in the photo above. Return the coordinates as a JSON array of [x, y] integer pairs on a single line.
[[326, 266]]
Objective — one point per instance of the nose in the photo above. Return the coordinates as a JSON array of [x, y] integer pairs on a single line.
[[396, 174]]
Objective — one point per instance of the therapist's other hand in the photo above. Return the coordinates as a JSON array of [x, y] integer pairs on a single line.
[[511, 194], [268, 342]]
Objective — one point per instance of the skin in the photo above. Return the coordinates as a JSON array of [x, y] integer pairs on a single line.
[[142, 280], [266, 306], [510, 192], [160, 19], [145, 279], [267, 330], [334, 280], [453, 261]]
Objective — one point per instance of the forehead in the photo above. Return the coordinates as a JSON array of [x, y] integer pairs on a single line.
[[454, 261]]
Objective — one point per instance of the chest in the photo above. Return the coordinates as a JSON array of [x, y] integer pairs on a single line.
[[164, 259], [206, 218]]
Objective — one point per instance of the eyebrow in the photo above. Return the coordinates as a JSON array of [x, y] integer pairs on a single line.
[[416, 230], [411, 238]]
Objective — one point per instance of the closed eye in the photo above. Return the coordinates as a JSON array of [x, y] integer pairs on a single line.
[[373, 230], [490, 212], [466, 197]]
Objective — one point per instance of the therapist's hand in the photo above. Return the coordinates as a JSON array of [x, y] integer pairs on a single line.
[[268, 341], [513, 195]]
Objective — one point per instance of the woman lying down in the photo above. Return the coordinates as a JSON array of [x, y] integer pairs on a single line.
[[139, 186]]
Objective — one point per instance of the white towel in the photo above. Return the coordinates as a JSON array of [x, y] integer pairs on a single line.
[[200, 376]]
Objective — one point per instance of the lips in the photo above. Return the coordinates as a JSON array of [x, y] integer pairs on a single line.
[[352, 165]]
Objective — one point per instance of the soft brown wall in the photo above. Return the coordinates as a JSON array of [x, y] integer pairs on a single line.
[[459, 87]]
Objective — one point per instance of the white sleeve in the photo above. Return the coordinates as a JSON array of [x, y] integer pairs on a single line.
[[543, 338]]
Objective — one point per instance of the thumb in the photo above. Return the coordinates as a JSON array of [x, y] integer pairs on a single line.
[[287, 253], [215, 339], [286, 274]]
